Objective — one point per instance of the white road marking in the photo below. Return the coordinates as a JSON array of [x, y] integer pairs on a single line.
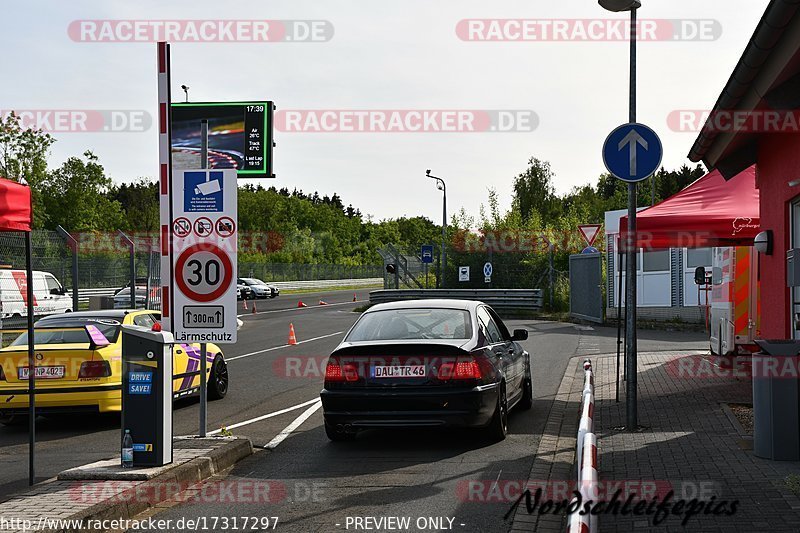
[[229, 359], [280, 437], [264, 417], [298, 308]]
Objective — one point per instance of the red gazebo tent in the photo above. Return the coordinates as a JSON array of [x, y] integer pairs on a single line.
[[709, 212], [16, 215]]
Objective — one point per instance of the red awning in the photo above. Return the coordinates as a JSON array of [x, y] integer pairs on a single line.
[[15, 206], [709, 212]]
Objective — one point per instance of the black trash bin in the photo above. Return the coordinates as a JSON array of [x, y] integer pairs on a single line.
[[776, 401]]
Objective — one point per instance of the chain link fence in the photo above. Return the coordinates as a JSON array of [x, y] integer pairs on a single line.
[[465, 270], [105, 271]]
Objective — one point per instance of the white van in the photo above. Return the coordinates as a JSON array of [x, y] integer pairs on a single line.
[[49, 296]]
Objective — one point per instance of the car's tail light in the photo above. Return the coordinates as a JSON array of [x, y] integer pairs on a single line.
[[335, 371], [461, 368], [94, 369]]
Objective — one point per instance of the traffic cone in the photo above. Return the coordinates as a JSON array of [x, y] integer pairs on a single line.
[[292, 338], [354, 297], [244, 304], [322, 302], [254, 311], [301, 304], [446, 329]]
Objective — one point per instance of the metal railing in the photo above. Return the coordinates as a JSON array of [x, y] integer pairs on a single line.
[[526, 299]]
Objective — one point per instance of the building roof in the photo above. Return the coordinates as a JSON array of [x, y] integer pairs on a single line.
[[766, 77]]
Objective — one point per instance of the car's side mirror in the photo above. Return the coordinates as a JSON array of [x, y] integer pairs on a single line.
[[520, 335], [700, 276]]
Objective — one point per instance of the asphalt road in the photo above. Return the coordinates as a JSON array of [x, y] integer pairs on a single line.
[[76, 440], [316, 484]]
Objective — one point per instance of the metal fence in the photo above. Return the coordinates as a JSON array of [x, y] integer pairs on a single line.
[[106, 263], [306, 272], [512, 299]]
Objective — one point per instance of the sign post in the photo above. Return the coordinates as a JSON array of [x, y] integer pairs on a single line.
[[632, 152], [204, 262]]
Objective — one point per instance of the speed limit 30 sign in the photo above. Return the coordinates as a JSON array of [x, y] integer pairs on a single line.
[[204, 259]]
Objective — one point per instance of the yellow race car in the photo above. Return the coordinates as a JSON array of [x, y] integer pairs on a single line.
[[76, 373]]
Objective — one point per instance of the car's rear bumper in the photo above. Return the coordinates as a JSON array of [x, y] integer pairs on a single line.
[[472, 407], [100, 398]]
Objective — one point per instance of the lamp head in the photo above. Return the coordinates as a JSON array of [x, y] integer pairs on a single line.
[[428, 172], [620, 5]]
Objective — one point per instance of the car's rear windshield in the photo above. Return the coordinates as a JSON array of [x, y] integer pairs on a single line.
[[69, 331], [415, 324]]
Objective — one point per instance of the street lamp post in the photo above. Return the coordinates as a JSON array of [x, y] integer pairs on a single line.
[[440, 184], [630, 260]]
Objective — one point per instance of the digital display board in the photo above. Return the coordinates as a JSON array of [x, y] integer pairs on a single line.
[[239, 136]]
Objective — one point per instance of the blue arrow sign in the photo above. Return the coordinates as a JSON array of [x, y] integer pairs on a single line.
[[632, 152]]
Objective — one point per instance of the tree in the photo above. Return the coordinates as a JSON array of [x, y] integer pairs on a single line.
[[75, 197], [534, 190], [23, 156], [139, 200]]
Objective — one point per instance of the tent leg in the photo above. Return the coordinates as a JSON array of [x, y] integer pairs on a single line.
[[31, 363]]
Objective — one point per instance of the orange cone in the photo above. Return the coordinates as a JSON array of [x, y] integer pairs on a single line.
[[354, 297], [301, 304], [292, 338], [322, 302], [254, 307], [244, 304]]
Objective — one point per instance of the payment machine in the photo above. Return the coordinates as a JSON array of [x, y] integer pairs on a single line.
[[147, 394]]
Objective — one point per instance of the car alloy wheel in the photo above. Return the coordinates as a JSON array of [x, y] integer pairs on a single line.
[[218, 381]]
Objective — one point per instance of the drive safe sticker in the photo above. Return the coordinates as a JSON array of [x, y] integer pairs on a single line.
[[140, 382]]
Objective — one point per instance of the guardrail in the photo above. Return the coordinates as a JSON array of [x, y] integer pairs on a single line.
[[529, 299], [85, 294], [586, 456], [327, 283]]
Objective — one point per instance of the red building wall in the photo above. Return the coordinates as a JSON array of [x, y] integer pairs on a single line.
[[778, 164]]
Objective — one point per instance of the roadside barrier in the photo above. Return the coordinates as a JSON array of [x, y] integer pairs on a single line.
[[589, 477], [585, 426], [586, 422], [586, 456]]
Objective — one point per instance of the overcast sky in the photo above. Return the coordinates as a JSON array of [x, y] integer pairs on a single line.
[[382, 56]]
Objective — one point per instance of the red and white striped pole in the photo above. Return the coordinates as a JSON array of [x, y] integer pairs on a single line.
[[588, 481], [585, 426], [165, 183]]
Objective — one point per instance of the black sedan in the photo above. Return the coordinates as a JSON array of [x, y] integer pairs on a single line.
[[423, 363]]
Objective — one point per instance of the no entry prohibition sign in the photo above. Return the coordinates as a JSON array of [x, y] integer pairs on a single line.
[[203, 272]]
